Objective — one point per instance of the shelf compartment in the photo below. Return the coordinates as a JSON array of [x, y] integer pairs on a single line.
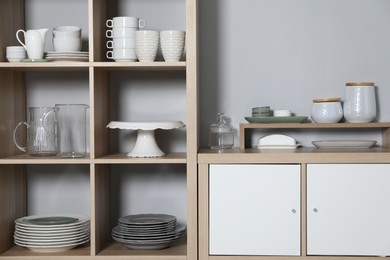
[[121, 189], [384, 127], [41, 190]]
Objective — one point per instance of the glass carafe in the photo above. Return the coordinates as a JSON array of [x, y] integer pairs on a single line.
[[72, 120], [221, 134], [41, 132]]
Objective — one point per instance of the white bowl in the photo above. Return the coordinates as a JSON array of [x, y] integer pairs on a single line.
[[67, 44], [67, 31]]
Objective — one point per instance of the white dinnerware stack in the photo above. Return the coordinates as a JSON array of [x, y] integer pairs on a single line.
[[146, 45], [121, 35], [172, 44], [15, 53], [51, 233], [148, 231]]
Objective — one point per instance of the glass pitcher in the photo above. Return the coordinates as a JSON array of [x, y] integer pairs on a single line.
[[41, 132], [72, 123]]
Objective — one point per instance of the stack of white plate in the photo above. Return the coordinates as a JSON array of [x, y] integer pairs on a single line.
[[48, 234], [67, 56], [148, 231]]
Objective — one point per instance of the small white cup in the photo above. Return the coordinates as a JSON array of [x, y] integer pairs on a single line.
[[67, 31], [121, 43], [125, 21], [67, 44], [121, 32], [282, 112], [122, 55]]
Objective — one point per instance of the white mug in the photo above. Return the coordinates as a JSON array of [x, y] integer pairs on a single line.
[[125, 21], [121, 43], [122, 55], [121, 32]]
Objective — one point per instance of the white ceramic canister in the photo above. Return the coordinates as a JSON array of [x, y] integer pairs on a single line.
[[360, 102], [326, 110]]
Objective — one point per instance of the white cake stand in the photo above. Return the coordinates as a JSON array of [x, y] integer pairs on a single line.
[[145, 145]]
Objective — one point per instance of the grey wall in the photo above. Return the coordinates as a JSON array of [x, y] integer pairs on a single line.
[[285, 53]]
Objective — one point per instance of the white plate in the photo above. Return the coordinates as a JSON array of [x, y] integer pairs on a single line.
[[51, 248], [79, 53], [361, 144], [51, 236], [50, 240], [25, 222], [59, 230], [288, 147], [55, 59]]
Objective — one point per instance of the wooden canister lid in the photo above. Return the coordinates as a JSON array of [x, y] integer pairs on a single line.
[[321, 100], [367, 84]]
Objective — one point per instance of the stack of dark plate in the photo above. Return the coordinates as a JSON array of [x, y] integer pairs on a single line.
[[148, 231], [51, 233]]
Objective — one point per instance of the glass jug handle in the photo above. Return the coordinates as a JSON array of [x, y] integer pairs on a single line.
[[21, 148], [45, 115]]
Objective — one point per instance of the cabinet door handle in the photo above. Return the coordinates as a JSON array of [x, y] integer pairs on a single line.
[[293, 211], [315, 210]]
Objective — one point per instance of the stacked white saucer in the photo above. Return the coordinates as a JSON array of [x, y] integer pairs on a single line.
[[172, 44], [146, 45], [15, 53]]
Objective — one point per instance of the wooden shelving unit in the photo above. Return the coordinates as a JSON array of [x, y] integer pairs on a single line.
[[13, 109]]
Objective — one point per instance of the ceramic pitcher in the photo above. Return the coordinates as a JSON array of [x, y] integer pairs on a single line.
[[34, 42]]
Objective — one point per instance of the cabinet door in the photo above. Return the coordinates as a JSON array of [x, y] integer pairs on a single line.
[[348, 209], [254, 210]]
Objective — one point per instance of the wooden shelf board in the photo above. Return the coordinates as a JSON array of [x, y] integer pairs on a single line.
[[122, 158], [315, 126], [77, 66], [46, 66], [158, 65], [18, 251], [177, 251], [300, 155], [27, 159]]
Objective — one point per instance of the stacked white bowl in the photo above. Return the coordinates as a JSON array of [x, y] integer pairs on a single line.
[[146, 45], [67, 38], [172, 44], [121, 35], [15, 53]]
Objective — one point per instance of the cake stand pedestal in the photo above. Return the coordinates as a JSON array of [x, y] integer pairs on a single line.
[[145, 145]]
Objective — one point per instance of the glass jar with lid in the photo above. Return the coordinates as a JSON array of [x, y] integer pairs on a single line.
[[221, 134]]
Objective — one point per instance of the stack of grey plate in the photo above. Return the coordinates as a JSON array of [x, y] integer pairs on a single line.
[[49, 234], [148, 231]]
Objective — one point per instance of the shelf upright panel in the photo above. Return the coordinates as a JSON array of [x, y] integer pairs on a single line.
[[192, 127], [12, 110]]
